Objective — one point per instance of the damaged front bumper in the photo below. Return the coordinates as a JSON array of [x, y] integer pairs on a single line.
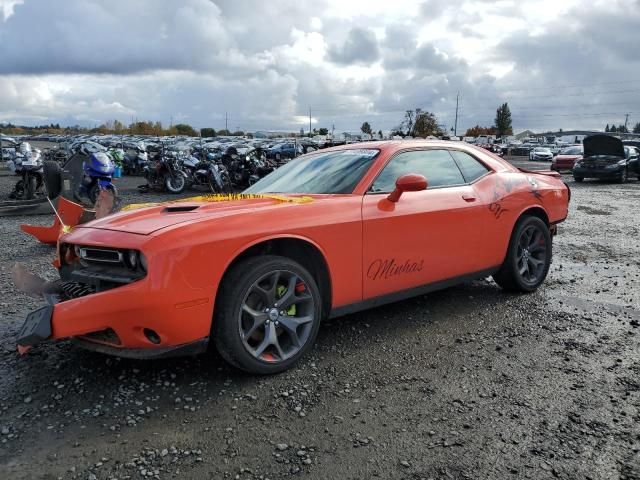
[[124, 313]]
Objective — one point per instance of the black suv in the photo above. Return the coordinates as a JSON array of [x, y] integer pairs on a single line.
[[605, 157]]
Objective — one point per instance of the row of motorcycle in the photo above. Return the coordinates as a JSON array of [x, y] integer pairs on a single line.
[[31, 165], [175, 170], [169, 169]]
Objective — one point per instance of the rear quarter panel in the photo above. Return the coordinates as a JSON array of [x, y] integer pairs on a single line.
[[507, 195]]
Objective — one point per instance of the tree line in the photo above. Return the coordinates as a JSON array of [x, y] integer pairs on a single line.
[[116, 127], [622, 128]]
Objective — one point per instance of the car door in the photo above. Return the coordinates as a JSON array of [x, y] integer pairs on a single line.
[[427, 236]]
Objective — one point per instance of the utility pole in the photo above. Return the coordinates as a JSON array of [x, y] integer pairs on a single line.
[[455, 126], [626, 120], [309, 121], [226, 121]]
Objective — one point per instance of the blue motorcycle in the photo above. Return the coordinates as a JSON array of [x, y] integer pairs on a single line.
[[98, 172]]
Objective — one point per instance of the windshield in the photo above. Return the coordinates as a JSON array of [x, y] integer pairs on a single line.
[[328, 172], [572, 151]]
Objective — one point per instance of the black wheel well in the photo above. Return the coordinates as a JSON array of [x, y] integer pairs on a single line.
[[536, 212], [301, 251]]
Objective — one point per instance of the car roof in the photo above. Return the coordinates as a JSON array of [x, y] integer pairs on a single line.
[[390, 147]]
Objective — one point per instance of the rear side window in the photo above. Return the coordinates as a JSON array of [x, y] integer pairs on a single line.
[[471, 168], [436, 165]]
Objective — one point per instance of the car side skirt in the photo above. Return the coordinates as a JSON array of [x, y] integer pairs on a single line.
[[412, 292]]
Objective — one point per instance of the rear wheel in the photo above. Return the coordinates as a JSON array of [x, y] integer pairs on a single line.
[[268, 314], [578, 179], [52, 179], [30, 187], [528, 257]]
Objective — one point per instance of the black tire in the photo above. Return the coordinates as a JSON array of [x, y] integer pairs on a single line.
[[578, 179], [227, 328], [30, 187], [510, 277], [624, 176], [52, 179], [175, 183], [93, 192]]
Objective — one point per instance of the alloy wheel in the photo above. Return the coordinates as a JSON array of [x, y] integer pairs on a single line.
[[276, 316], [531, 255]]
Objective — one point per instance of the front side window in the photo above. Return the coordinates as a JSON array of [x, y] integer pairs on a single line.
[[437, 166]]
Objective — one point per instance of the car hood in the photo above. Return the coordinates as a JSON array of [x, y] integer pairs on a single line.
[[147, 220], [603, 145]]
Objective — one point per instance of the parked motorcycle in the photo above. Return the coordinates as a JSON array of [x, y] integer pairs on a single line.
[[134, 164], [27, 164], [164, 174], [245, 167], [98, 172], [208, 174]]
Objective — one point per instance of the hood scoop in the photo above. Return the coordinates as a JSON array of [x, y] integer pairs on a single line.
[[180, 208]]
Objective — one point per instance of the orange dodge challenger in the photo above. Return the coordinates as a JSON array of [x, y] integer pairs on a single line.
[[327, 234]]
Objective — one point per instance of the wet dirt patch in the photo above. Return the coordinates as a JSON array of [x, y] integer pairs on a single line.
[[592, 211]]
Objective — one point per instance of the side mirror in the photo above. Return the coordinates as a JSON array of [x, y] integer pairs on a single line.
[[411, 182]]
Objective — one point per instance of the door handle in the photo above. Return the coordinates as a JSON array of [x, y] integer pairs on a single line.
[[468, 198]]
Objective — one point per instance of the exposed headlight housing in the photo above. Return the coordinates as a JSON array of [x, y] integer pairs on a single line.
[[132, 259], [143, 262]]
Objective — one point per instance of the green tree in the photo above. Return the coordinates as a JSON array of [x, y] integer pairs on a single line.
[[208, 132], [224, 132], [184, 129], [323, 131], [636, 128], [380, 134], [238, 133], [606, 129], [425, 124], [503, 120], [366, 129]]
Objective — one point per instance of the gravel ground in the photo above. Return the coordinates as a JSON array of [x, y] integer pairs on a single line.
[[469, 382]]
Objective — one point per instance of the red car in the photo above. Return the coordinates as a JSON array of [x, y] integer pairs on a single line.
[[329, 233], [566, 159]]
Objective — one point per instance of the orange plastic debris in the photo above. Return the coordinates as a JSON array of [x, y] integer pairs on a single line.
[[71, 214]]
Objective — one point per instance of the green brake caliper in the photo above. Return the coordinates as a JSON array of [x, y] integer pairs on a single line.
[[280, 291]]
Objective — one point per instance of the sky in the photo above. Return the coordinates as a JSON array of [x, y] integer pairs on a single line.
[[268, 65]]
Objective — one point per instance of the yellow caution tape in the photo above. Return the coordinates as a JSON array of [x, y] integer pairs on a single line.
[[222, 197]]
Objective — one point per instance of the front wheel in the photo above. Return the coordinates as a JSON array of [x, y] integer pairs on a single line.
[[175, 183], [623, 176], [94, 192], [267, 314], [528, 256]]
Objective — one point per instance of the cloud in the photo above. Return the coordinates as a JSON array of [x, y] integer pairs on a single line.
[[361, 46], [7, 7], [87, 61]]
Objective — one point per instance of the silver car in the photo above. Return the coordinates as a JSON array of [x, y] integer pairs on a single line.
[[541, 154]]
